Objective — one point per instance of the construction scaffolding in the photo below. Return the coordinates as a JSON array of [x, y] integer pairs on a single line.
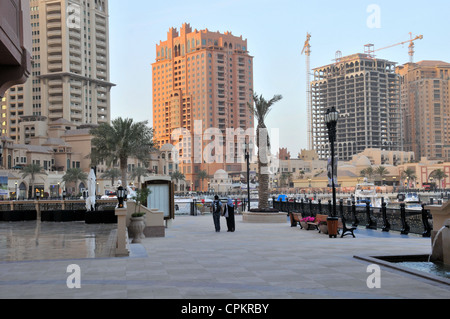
[[366, 92]]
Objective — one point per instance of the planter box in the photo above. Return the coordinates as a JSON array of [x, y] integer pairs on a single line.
[[270, 218], [323, 229]]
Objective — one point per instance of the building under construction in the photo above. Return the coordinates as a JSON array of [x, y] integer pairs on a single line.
[[366, 92]]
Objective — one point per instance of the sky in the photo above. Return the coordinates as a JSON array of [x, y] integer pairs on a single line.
[[276, 32]]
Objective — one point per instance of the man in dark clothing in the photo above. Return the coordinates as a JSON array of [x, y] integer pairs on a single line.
[[217, 209]]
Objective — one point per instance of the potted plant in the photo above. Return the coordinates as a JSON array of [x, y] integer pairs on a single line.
[[137, 223], [323, 227], [304, 222]]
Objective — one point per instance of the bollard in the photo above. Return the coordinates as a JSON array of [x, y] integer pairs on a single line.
[[405, 227], [370, 223], [355, 218], [386, 225], [426, 224]]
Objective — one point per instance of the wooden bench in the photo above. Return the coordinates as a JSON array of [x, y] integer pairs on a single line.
[[296, 218], [319, 218]]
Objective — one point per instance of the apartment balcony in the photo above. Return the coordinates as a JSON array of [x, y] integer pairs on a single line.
[[55, 83], [51, 34], [101, 28], [76, 115], [75, 99], [54, 42], [75, 60], [57, 67], [56, 16], [55, 91], [55, 58], [53, 26], [55, 99]]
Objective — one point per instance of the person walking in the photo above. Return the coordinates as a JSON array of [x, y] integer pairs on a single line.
[[217, 210], [230, 215]]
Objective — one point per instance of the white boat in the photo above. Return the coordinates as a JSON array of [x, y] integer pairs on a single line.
[[412, 198], [367, 193]]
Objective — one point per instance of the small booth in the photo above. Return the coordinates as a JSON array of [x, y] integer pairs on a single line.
[[161, 196]]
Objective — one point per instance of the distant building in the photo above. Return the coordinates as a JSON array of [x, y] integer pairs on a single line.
[[70, 76], [426, 107], [366, 92], [206, 78]]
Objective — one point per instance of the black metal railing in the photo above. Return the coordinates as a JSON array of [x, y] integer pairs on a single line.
[[386, 219]]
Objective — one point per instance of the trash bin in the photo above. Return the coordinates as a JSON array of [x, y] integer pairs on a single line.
[[332, 223]]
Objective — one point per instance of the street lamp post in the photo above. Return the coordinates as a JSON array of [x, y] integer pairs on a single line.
[[331, 119], [247, 158]]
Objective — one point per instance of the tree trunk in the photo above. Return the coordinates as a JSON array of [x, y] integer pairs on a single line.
[[263, 189], [123, 169]]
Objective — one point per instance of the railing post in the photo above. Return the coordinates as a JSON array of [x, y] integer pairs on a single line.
[[320, 206], [330, 208], [386, 225], [405, 226], [370, 223], [302, 207], [310, 208], [355, 218], [121, 247], [426, 224]]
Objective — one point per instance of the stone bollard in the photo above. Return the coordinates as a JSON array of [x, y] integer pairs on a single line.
[[121, 247]]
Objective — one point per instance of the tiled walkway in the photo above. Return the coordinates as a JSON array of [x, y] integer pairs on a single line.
[[269, 261]]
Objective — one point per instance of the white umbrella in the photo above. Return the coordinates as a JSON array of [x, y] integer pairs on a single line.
[[92, 184]]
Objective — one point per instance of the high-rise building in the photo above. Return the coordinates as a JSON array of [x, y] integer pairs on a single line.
[[366, 92], [202, 80], [70, 71], [426, 108]]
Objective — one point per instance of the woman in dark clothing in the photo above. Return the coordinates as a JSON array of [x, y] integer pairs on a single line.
[[230, 217], [217, 205]]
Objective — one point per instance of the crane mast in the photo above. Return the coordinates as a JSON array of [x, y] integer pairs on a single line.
[[307, 52]]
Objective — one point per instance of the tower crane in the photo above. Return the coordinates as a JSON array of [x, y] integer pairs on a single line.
[[307, 52], [369, 48]]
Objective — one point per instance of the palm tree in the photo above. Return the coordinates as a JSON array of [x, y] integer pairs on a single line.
[[368, 172], [73, 175], [112, 174], [381, 171], [260, 108], [409, 174], [177, 176], [32, 170], [438, 175], [121, 140], [202, 175], [139, 172]]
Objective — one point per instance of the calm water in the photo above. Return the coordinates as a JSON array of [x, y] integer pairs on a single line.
[[437, 269], [35, 240]]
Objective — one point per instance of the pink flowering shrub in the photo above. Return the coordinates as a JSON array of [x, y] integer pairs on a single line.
[[308, 220]]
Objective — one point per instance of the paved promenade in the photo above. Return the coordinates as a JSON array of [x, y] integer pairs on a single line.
[[258, 261]]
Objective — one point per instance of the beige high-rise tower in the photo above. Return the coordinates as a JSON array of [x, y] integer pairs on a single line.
[[425, 90], [202, 81], [70, 73]]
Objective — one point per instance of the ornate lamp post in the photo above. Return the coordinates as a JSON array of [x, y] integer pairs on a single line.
[[121, 196], [331, 119], [247, 158]]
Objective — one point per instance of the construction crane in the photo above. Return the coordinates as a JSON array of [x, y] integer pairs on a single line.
[[307, 51], [370, 51]]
